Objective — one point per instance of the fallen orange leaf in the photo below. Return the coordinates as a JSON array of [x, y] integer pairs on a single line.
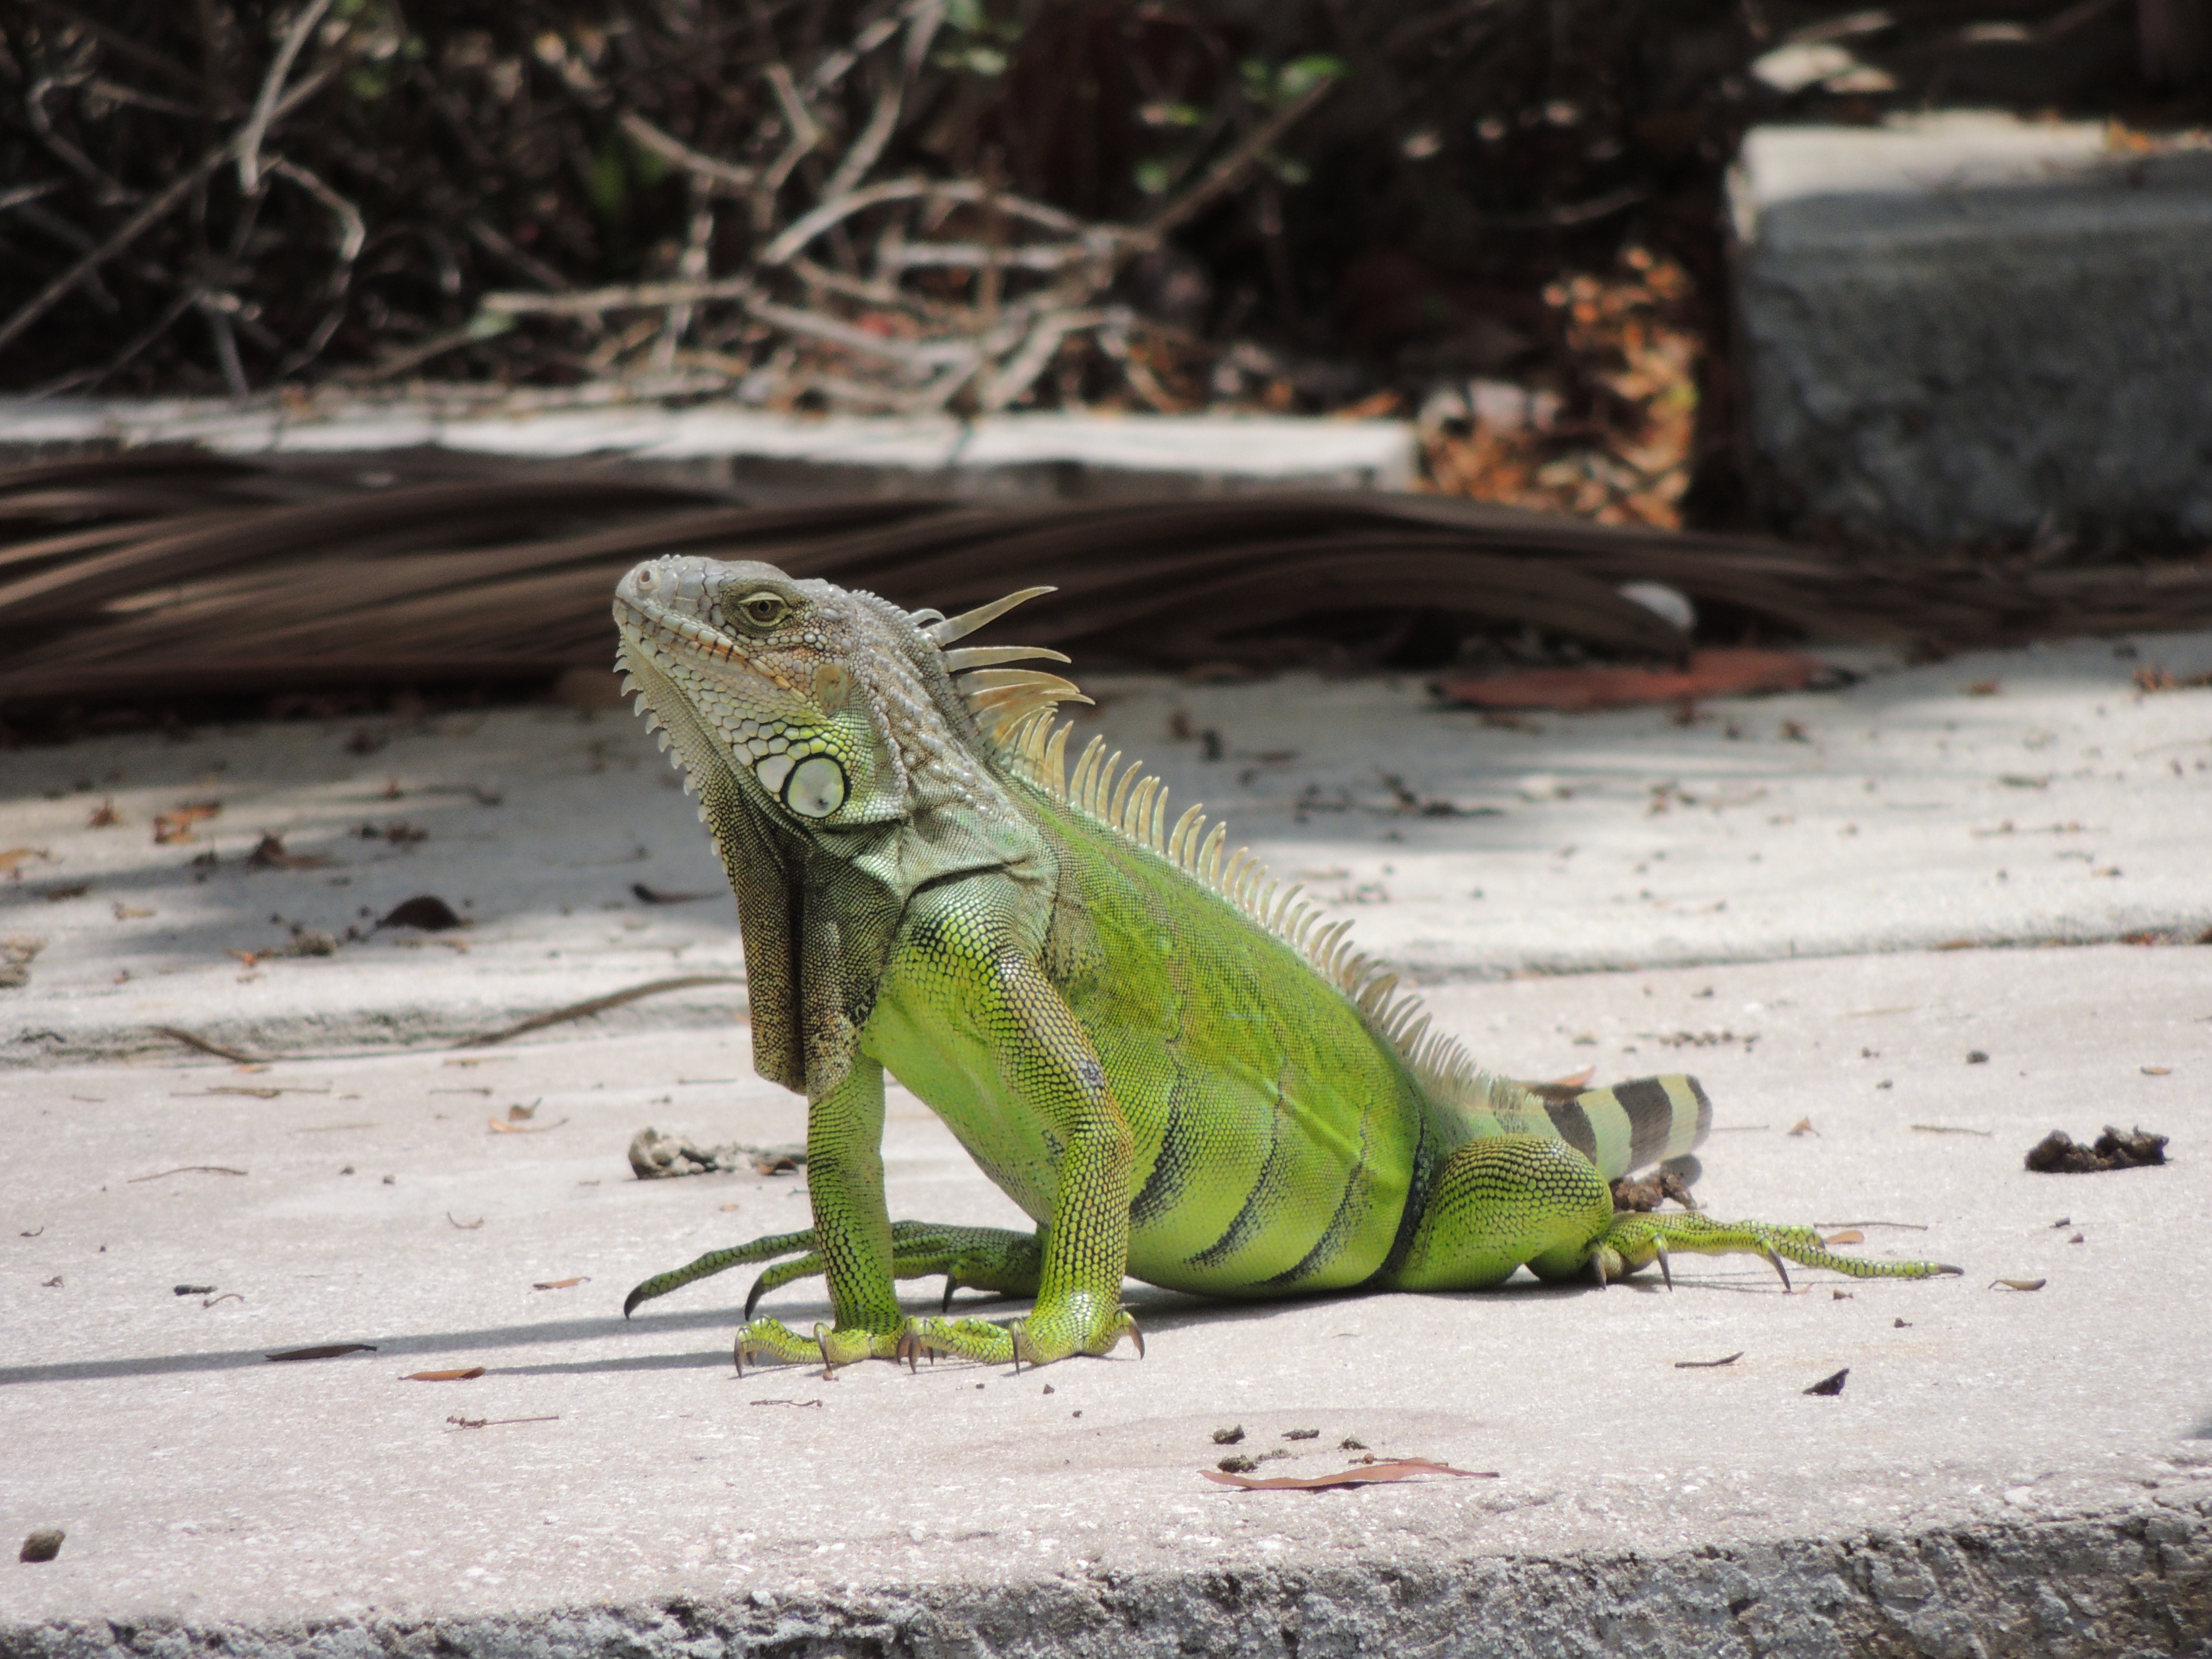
[[177, 826], [444, 1377]]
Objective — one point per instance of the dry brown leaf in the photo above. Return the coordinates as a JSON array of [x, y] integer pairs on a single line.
[[1849, 1236], [2018, 1284], [15, 856], [2157, 1070], [170, 828], [561, 1284], [1368, 1472], [472, 1371], [1803, 1126]]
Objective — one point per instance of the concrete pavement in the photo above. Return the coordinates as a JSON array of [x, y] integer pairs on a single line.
[[2005, 1470]]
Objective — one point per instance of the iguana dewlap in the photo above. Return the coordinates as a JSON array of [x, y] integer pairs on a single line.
[[1179, 1070]]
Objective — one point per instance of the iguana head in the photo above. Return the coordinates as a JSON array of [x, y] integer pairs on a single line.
[[764, 669], [838, 766]]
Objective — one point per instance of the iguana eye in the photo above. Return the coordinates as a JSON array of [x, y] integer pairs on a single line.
[[764, 610]]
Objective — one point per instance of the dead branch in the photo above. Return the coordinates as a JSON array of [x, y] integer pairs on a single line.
[[726, 177], [633, 296], [808, 226], [272, 88], [1223, 175]]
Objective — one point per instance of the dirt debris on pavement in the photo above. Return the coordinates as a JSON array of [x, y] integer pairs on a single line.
[[2059, 1153]]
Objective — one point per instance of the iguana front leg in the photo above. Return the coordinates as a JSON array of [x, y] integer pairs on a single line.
[[852, 1231], [1052, 1073]]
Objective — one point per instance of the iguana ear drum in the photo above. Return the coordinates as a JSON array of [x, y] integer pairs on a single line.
[[816, 787]]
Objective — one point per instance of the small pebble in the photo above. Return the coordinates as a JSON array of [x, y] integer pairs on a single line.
[[43, 1545]]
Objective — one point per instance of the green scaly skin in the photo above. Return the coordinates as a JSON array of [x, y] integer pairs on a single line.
[[1174, 1072]]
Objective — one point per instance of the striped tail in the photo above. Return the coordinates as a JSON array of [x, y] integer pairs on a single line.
[[1631, 1125]]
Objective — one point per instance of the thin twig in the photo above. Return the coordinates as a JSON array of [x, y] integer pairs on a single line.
[[867, 150], [1224, 173], [808, 226], [676, 322], [186, 1169], [635, 296], [353, 235], [1573, 212], [733, 180], [599, 1005], [1021, 370], [353, 231], [22, 193], [528, 264], [476, 329], [806, 133], [193, 1040], [272, 88], [1035, 256], [859, 340]]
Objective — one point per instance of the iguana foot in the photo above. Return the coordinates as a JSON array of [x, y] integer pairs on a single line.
[[1636, 1240], [979, 1258], [1053, 1330], [771, 1339], [974, 1258]]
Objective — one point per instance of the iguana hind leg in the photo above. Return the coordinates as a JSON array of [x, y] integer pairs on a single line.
[[1508, 1200], [1501, 1201]]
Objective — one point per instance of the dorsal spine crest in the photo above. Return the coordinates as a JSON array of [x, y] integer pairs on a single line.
[[1017, 709]]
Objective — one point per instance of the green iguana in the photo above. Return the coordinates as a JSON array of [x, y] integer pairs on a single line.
[[1183, 1073]]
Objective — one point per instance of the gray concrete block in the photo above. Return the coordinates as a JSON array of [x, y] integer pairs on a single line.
[[1970, 327]]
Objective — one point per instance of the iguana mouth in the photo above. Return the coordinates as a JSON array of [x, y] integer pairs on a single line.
[[645, 622]]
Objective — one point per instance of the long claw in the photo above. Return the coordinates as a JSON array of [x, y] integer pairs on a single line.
[[1774, 1257], [951, 1285], [738, 1351], [1136, 1337], [1665, 1272], [753, 1296], [1597, 1267]]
